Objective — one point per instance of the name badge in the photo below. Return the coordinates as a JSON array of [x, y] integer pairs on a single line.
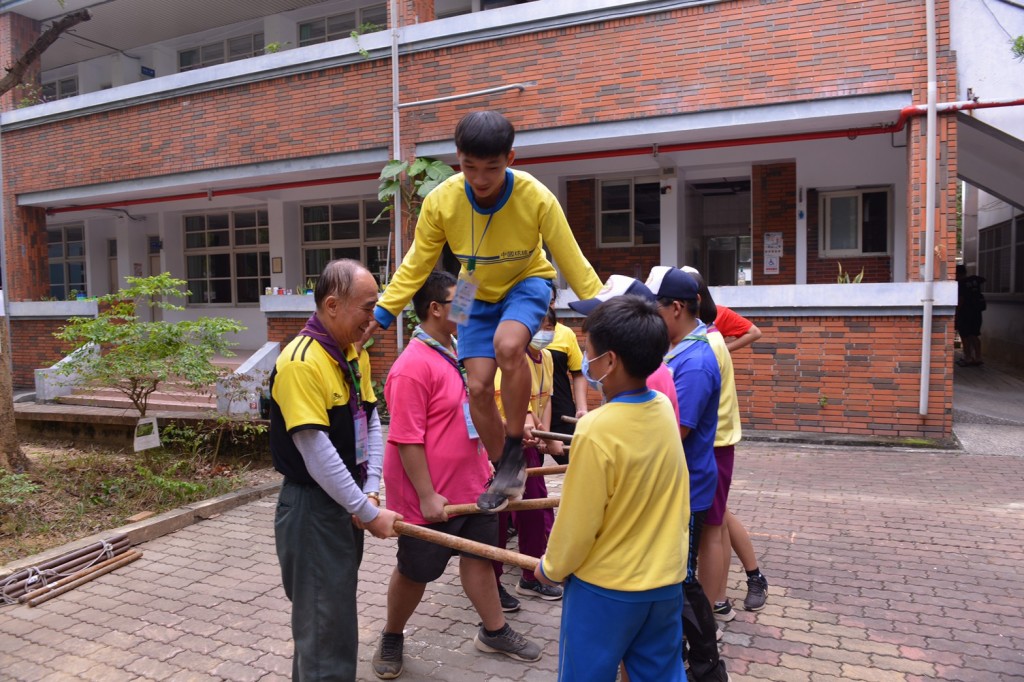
[[462, 301], [362, 429], [470, 428]]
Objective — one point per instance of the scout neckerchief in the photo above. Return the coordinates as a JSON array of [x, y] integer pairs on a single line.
[[449, 355], [452, 359], [698, 335], [315, 330]]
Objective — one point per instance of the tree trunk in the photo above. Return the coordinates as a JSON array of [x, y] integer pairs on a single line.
[[16, 72], [12, 459]]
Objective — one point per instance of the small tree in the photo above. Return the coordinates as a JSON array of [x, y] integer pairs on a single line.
[[135, 356], [420, 177]]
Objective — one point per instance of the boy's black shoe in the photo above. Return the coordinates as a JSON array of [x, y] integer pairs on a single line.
[[509, 478]]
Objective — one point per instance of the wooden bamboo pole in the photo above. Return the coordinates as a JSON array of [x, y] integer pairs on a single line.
[[84, 577], [551, 435], [517, 505], [72, 565], [569, 420], [545, 471], [463, 545]]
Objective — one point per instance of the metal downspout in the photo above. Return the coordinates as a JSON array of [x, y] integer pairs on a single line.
[[396, 144], [4, 278], [930, 210]]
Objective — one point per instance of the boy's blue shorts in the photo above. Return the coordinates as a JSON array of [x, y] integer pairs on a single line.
[[526, 302]]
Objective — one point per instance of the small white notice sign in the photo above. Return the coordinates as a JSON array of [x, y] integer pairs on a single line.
[[146, 434]]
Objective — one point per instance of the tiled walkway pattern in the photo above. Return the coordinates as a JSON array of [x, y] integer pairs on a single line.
[[884, 565]]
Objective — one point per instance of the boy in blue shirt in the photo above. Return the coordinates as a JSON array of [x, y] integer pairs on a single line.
[[698, 383]]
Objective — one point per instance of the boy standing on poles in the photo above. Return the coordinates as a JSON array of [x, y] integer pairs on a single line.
[[497, 222]]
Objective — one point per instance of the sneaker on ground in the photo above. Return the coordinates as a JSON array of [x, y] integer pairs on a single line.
[[535, 588], [723, 611], [508, 602], [508, 642], [387, 660], [757, 593]]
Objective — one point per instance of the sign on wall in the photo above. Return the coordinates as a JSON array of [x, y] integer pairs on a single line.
[[772, 252]]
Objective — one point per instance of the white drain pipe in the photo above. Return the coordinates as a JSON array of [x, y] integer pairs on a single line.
[[929, 215]]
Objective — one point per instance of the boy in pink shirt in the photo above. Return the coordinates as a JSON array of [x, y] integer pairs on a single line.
[[433, 458]]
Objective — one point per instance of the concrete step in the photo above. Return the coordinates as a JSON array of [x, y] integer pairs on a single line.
[[175, 401]]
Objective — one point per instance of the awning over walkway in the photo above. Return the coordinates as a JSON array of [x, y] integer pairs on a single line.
[[990, 159]]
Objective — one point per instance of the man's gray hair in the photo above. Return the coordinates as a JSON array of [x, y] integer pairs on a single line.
[[336, 279]]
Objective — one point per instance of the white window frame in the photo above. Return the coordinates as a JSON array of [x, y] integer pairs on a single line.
[[825, 249], [232, 249], [255, 49], [995, 260], [60, 88], [369, 208], [632, 181], [65, 261], [358, 17]]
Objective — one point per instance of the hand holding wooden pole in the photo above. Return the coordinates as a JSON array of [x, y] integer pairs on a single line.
[[505, 556]]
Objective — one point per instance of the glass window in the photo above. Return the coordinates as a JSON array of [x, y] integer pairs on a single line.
[[66, 260], [228, 50], [630, 212], [344, 230], [855, 223], [227, 256], [994, 252]]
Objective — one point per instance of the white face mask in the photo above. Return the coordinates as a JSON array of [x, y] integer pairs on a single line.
[[542, 339]]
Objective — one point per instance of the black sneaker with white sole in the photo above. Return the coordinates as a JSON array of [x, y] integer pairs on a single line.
[[508, 602], [508, 642], [757, 593]]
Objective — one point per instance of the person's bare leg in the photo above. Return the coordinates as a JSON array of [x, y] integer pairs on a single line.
[[726, 562], [739, 538], [510, 342], [404, 596], [478, 582], [709, 561], [482, 408]]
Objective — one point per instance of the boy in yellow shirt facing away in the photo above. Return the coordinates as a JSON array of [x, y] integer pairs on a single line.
[[621, 537], [497, 222]]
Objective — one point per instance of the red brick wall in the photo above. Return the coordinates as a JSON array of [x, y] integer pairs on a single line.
[[773, 209], [581, 212], [304, 115], [855, 375], [842, 375], [28, 276], [825, 270], [17, 33], [33, 347]]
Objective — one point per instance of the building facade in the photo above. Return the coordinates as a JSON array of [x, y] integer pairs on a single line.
[[772, 145]]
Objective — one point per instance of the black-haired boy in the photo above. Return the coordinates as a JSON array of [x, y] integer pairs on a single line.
[[620, 538], [497, 222]]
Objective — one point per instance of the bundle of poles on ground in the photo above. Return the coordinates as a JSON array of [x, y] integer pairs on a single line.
[[37, 584]]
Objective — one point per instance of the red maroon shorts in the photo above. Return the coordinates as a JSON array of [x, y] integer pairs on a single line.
[[723, 458]]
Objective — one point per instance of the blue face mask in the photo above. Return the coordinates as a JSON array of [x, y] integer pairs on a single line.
[[594, 383]]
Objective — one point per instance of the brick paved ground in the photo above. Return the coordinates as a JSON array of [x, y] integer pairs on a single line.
[[884, 565]]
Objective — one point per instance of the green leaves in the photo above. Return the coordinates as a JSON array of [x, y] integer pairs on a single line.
[[136, 356], [421, 176]]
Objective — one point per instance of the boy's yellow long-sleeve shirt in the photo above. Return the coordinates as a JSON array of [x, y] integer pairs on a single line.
[[526, 218], [623, 522]]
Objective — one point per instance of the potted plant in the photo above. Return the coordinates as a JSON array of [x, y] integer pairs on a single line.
[[310, 286]]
